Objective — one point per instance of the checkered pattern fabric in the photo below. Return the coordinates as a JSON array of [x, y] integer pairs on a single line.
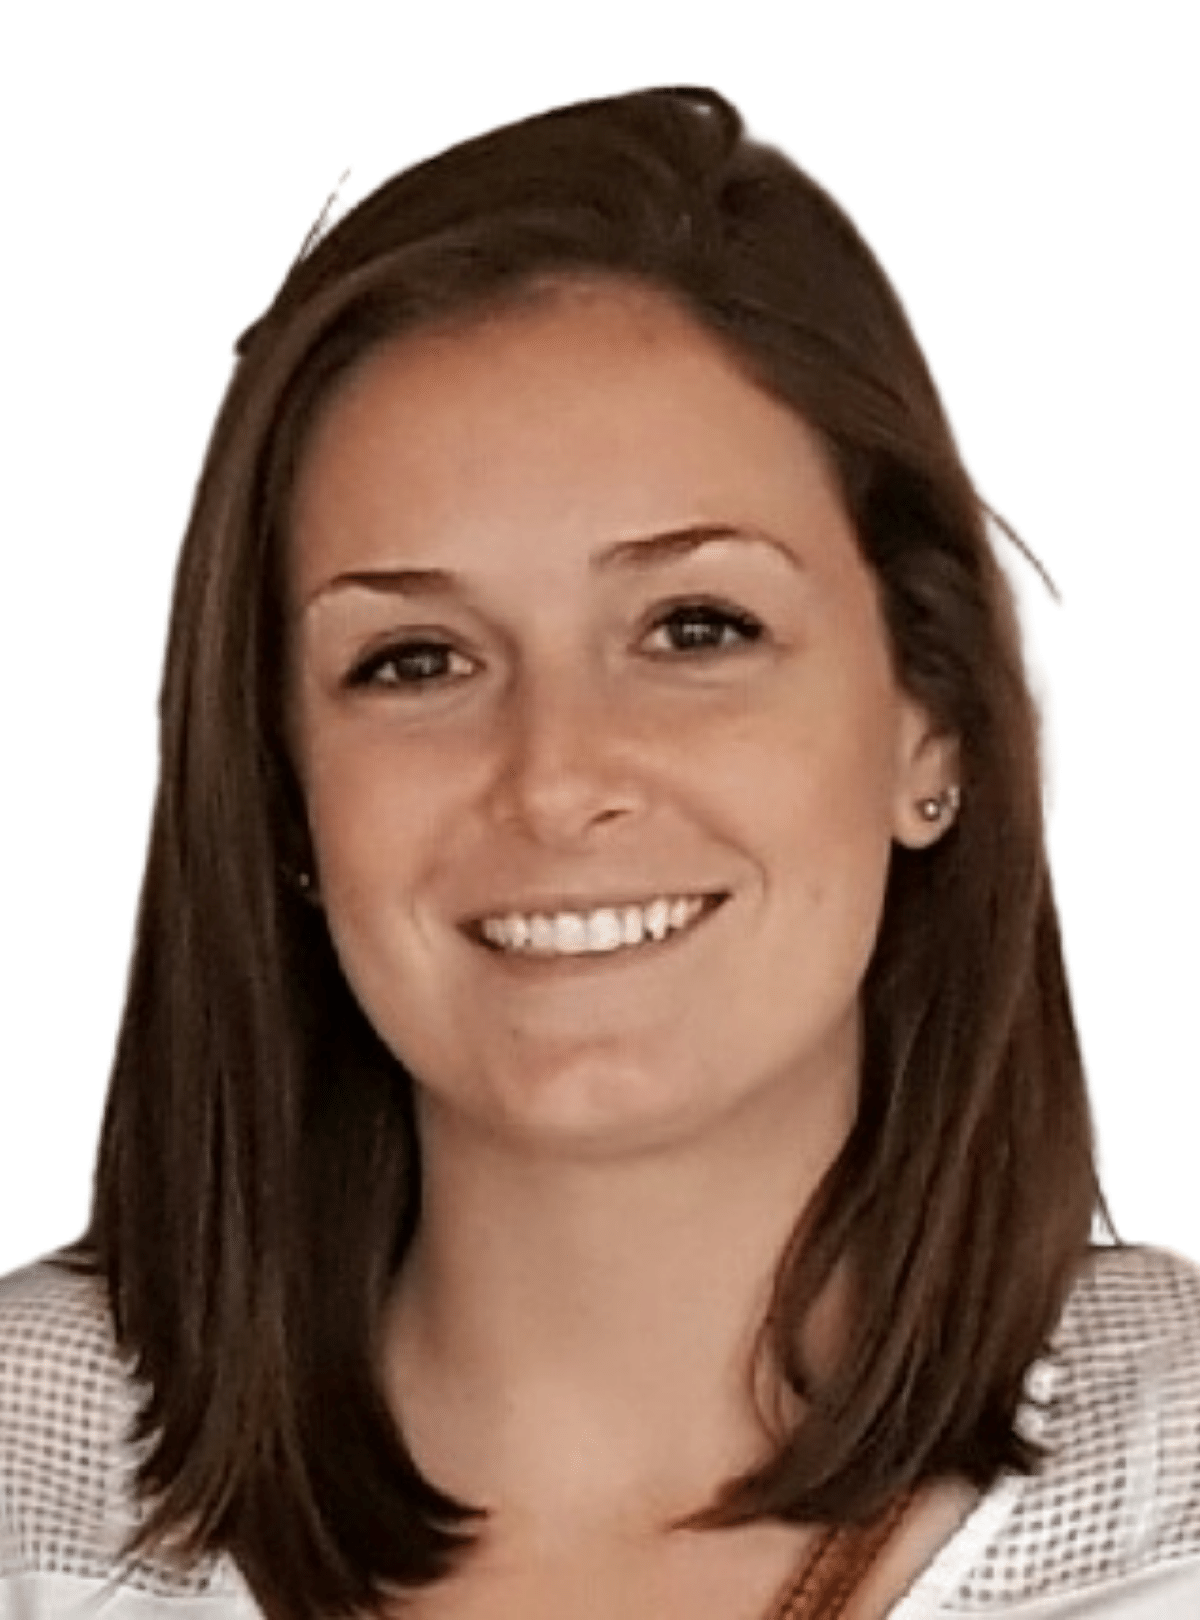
[[66, 1407], [1118, 1503], [1124, 1420]]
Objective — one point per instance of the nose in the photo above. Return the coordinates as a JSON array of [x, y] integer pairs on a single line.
[[567, 761]]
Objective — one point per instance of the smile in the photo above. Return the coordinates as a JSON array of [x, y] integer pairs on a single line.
[[601, 931]]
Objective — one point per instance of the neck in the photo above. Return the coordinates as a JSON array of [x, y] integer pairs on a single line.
[[573, 1332]]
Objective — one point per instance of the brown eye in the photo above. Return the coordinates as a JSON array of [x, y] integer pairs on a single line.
[[409, 663], [701, 627]]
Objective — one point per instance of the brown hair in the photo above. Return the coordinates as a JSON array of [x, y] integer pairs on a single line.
[[258, 1176]]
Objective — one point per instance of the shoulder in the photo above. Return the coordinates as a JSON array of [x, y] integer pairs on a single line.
[[1125, 1372], [1116, 1406], [67, 1406], [53, 1320], [1132, 1301]]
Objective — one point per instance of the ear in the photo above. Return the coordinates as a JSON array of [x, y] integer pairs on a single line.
[[928, 788]]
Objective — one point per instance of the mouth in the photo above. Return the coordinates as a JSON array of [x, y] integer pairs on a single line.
[[606, 931]]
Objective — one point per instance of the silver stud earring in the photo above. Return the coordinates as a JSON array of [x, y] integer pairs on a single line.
[[945, 803]]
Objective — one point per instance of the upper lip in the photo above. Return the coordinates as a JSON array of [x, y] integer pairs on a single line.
[[549, 905]]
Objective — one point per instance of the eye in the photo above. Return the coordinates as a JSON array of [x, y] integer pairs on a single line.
[[700, 627], [410, 664]]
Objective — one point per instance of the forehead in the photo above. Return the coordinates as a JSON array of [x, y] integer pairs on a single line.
[[565, 341], [582, 412]]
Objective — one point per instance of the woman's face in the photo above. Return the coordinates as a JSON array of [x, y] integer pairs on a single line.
[[580, 627]]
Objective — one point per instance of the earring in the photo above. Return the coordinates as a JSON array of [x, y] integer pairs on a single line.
[[945, 803], [304, 883]]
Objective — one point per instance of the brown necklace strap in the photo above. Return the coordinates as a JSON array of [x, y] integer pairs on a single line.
[[837, 1566]]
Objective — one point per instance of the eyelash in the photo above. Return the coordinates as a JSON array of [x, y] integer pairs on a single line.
[[367, 672], [748, 629]]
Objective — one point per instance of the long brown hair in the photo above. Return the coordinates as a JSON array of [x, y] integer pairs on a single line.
[[258, 1175]]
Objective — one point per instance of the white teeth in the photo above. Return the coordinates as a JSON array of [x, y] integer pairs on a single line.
[[604, 931], [570, 933], [631, 925], [574, 933], [658, 918]]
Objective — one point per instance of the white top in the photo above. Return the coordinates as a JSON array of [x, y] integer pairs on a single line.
[[1110, 1526]]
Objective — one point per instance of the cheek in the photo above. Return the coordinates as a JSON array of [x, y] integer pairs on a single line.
[[820, 776], [376, 847], [373, 808], [823, 810], [834, 871]]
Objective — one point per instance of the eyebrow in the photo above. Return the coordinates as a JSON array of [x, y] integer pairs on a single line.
[[644, 552]]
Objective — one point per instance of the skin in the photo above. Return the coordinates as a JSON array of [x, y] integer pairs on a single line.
[[614, 1149]]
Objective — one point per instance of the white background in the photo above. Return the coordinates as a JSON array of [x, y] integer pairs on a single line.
[[1028, 172]]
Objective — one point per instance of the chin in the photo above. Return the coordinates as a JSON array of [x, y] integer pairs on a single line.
[[591, 1109]]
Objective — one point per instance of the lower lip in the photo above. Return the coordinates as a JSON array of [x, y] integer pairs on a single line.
[[532, 962]]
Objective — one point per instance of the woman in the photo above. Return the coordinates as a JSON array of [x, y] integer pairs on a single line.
[[597, 1126]]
